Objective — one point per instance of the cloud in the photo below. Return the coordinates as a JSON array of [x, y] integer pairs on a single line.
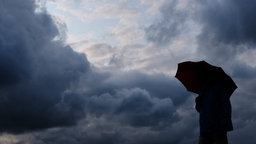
[[110, 128], [173, 35], [169, 26], [222, 29], [158, 85], [153, 5], [174, 16], [229, 22], [141, 109], [227, 28], [35, 71]]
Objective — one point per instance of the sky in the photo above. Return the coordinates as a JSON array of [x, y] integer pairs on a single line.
[[102, 71]]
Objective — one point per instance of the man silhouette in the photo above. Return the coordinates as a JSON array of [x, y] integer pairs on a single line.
[[214, 107], [214, 88]]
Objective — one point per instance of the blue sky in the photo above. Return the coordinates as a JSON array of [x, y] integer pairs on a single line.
[[102, 71]]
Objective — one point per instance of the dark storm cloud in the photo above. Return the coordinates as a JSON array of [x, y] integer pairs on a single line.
[[230, 21], [158, 85], [136, 98], [35, 71], [138, 108], [228, 28], [121, 129], [129, 107], [135, 107]]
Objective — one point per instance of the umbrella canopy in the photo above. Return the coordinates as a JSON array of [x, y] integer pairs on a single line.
[[197, 75]]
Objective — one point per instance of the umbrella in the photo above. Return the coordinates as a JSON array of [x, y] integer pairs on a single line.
[[196, 75]]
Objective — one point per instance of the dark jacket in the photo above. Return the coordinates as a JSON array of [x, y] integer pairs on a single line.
[[214, 106]]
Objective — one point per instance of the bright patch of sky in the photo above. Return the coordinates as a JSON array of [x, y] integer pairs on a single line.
[[112, 33], [119, 24], [97, 19], [77, 25]]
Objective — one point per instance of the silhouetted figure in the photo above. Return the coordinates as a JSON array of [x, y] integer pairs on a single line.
[[214, 107], [214, 88]]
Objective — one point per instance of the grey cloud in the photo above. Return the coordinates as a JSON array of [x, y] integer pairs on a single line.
[[109, 129], [138, 108], [35, 71], [243, 102], [114, 92], [158, 85], [228, 28], [243, 71], [135, 107], [170, 25], [229, 22]]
